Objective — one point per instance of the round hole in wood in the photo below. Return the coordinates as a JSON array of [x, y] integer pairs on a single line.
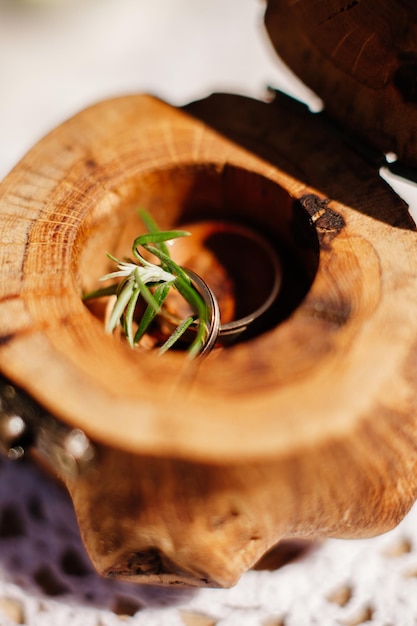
[[239, 220]]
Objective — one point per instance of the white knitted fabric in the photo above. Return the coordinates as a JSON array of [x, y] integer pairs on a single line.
[[46, 578]]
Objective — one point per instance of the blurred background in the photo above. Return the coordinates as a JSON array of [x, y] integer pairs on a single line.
[[58, 56]]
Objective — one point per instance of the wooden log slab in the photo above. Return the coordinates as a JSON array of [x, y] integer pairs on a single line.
[[306, 430]]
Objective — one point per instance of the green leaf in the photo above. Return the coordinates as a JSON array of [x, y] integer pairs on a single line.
[[152, 227], [185, 287], [160, 294], [177, 334], [146, 292], [111, 290], [123, 298], [168, 263], [131, 288], [129, 315], [158, 238]]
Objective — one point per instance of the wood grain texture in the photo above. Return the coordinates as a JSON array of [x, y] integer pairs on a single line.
[[307, 430], [360, 57]]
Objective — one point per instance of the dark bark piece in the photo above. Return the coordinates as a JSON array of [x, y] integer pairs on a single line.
[[360, 57]]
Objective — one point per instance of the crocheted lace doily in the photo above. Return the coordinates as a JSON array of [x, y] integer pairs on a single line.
[[46, 578]]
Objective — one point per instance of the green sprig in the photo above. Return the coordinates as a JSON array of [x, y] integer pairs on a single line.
[[152, 283]]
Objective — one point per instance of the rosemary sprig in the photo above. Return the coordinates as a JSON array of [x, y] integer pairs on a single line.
[[152, 283]]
